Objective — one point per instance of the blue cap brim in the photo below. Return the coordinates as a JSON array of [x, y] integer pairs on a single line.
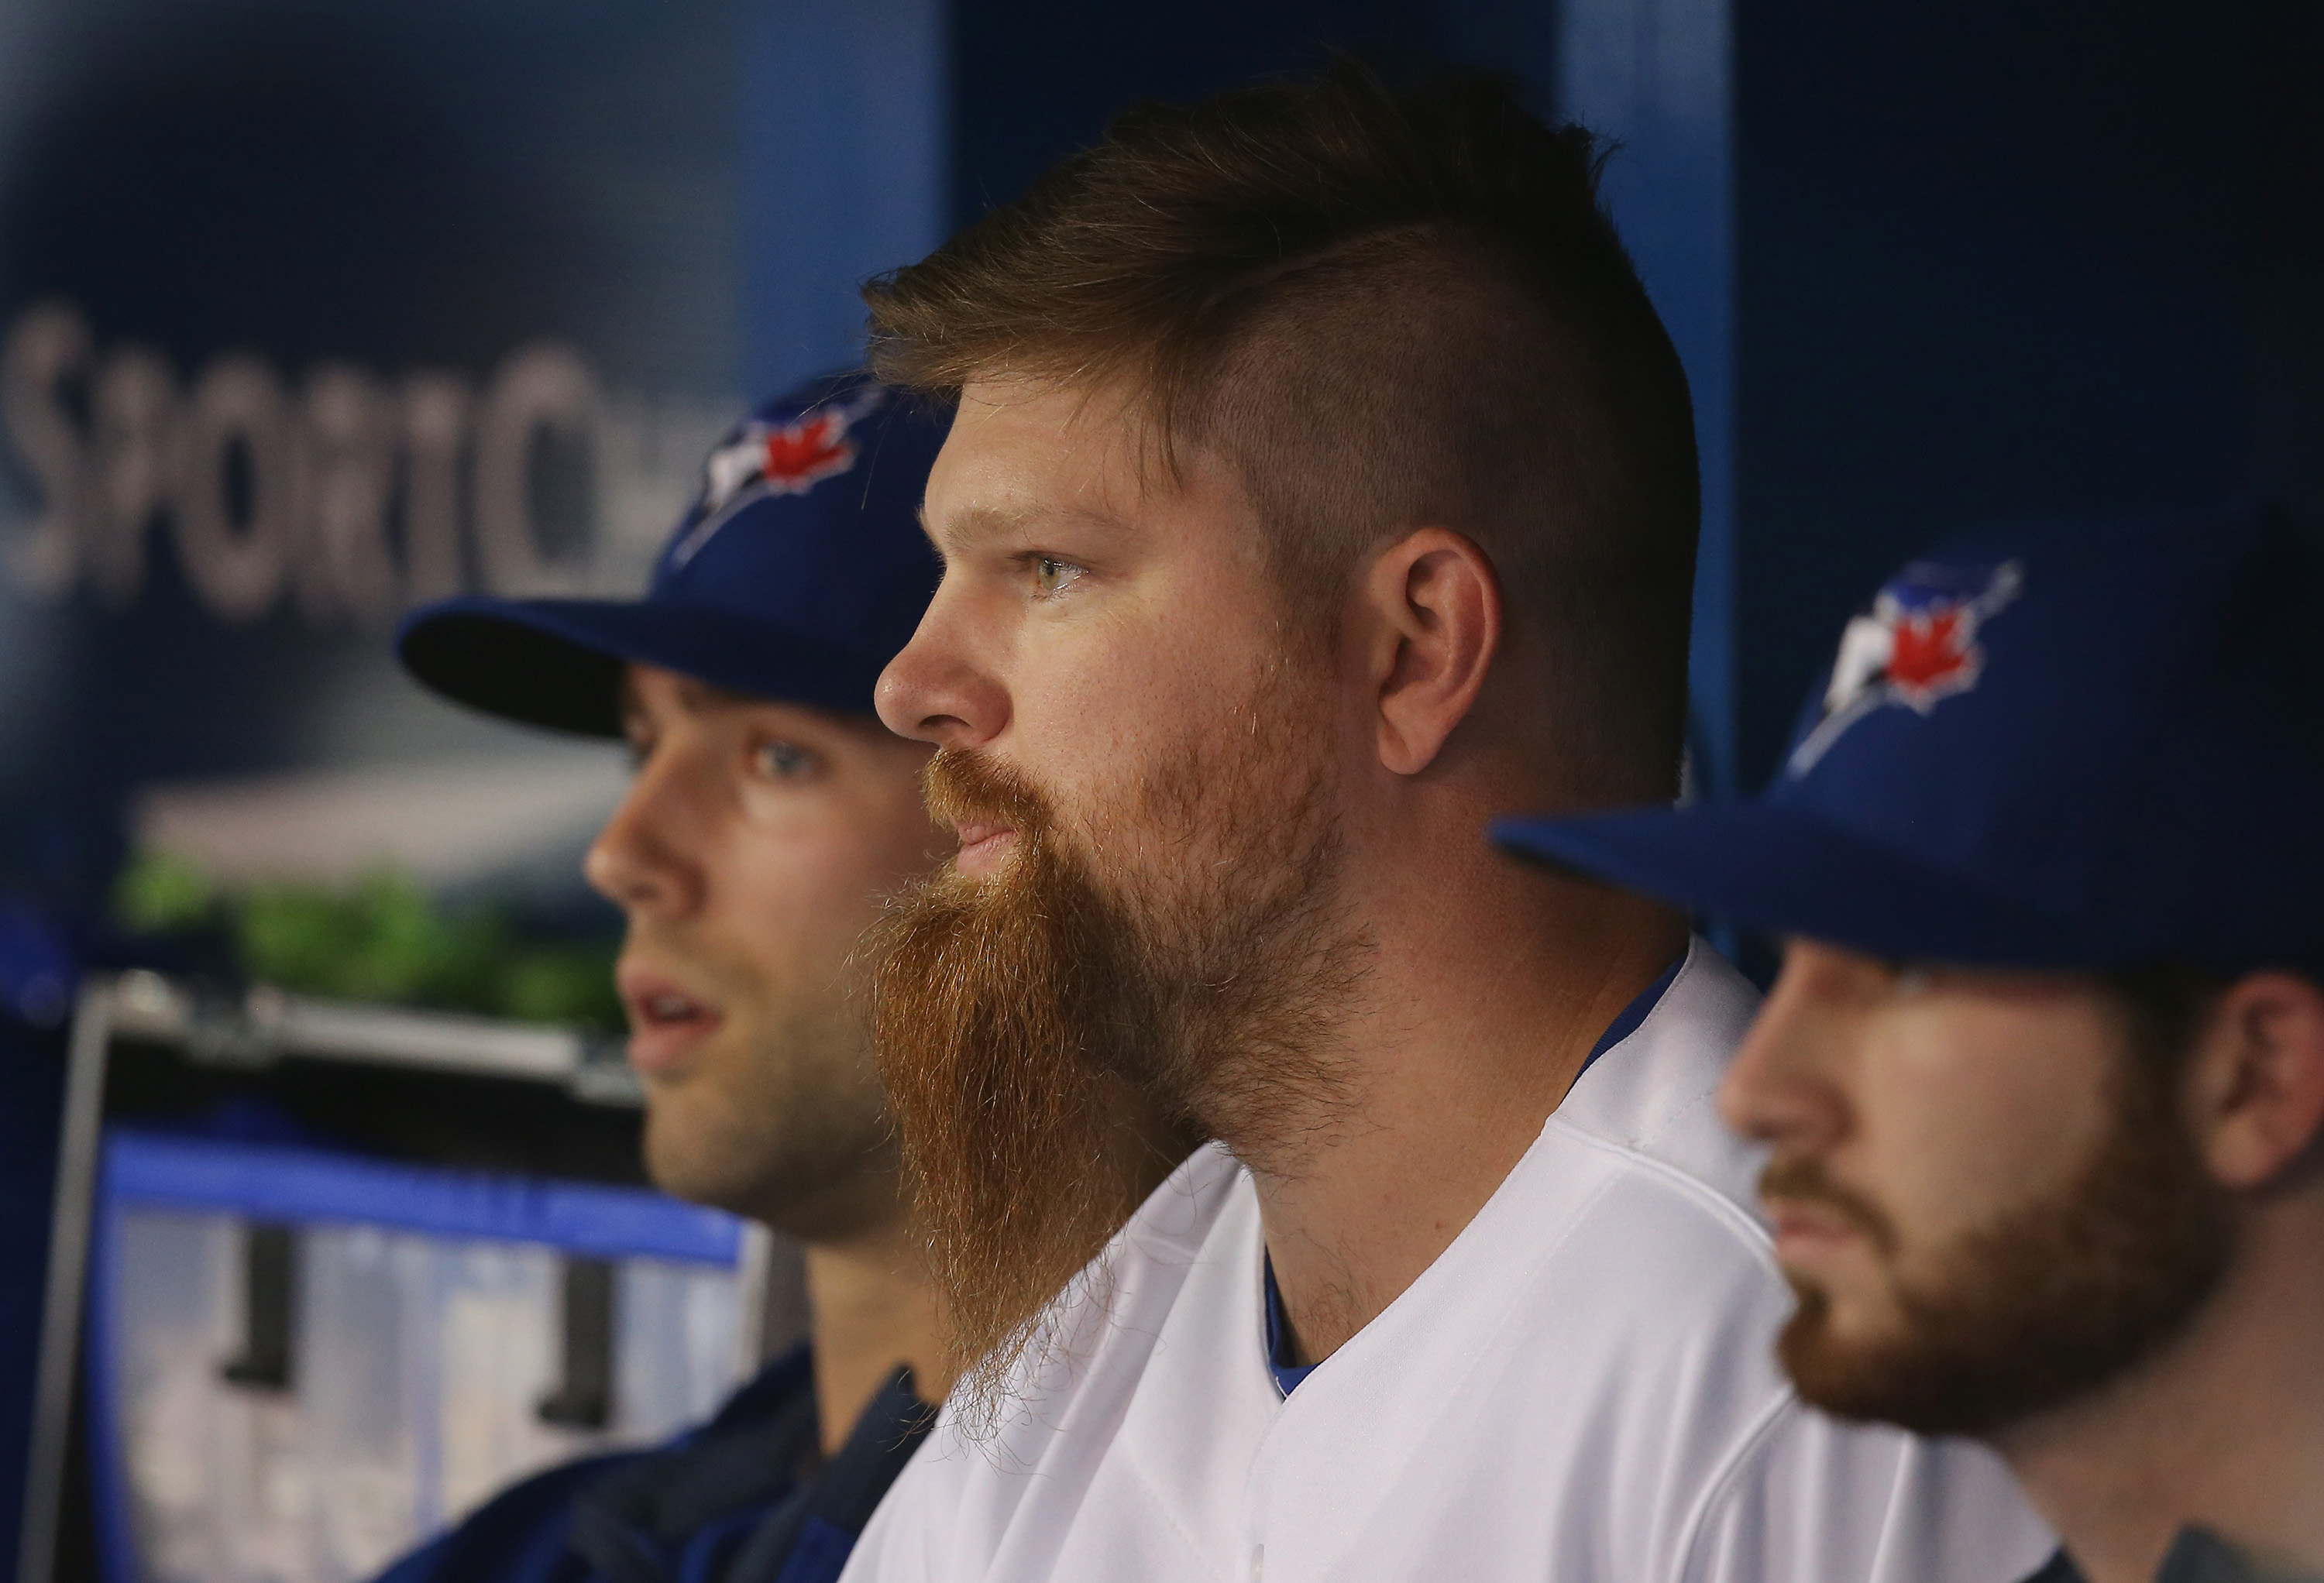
[[558, 662], [1793, 872]]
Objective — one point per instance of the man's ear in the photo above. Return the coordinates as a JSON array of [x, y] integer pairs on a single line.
[[1435, 608], [2256, 1082]]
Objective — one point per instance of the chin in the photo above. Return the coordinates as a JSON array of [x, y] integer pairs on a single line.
[[1840, 1358], [684, 1157], [809, 1184], [1852, 1326]]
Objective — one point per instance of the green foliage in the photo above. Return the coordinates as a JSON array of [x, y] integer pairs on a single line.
[[158, 894], [384, 939], [562, 984]]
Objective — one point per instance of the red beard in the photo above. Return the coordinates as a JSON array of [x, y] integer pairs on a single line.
[[1055, 1037]]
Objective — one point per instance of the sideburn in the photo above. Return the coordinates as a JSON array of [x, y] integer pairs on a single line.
[[1010, 1051]]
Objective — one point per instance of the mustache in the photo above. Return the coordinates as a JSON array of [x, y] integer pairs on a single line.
[[1793, 1180], [962, 787]]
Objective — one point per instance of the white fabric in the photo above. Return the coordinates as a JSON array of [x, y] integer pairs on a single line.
[[1579, 1389]]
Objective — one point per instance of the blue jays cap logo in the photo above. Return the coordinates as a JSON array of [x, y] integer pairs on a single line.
[[765, 458], [1916, 647]]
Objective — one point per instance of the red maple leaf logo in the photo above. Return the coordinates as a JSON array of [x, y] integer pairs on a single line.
[[801, 455], [1930, 649]]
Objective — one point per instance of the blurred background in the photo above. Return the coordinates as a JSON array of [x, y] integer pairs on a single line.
[[311, 309]]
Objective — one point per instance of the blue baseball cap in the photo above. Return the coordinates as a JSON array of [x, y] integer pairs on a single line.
[[798, 572], [2077, 745]]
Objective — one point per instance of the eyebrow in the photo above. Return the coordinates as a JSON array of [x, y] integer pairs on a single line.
[[694, 697], [976, 525]]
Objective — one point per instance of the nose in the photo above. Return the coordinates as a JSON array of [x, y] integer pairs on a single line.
[[638, 860], [934, 691], [1775, 1091]]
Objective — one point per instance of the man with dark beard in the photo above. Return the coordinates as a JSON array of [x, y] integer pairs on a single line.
[[2044, 1070], [1320, 481]]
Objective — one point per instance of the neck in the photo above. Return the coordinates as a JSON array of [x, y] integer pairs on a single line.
[[2224, 1429], [1489, 986], [872, 1308]]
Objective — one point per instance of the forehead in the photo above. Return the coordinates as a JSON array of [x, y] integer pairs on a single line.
[[2003, 984], [1953, 1013], [1018, 445], [1020, 449]]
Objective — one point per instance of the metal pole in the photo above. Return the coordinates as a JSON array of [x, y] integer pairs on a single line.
[[754, 1273], [69, 1236]]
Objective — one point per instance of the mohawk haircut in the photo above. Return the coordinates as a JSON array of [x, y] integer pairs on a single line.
[[1384, 310]]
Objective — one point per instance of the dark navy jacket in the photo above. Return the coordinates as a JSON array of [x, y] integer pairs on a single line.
[[738, 1500], [2199, 1556]]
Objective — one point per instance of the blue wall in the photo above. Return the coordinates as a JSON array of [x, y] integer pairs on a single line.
[[1994, 257], [846, 170], [1656, 76]]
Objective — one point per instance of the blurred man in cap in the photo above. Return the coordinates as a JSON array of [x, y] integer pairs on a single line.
[[1321, 479], [2044, 1074], [769, 816]]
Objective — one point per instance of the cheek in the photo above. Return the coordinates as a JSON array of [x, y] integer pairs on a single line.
[[795, 906], [1961, 1124], [1098, 704]]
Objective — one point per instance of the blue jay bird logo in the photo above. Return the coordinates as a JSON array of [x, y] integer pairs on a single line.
[[1916, 647], [772, 457]]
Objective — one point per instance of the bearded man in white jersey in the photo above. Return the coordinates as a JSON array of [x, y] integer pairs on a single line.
[[2044, 1074], [1323, 483]]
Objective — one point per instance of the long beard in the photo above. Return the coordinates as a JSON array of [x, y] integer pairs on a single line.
[[1056, 1037], [2038, 1309]]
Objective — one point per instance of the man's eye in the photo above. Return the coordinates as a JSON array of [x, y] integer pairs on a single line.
[[780, 760], [1052, 576]]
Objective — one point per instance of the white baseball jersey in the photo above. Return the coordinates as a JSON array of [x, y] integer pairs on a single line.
[[1580, 1390]]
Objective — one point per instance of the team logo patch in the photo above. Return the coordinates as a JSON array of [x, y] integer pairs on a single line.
[[1916, 648], [761, 459]]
